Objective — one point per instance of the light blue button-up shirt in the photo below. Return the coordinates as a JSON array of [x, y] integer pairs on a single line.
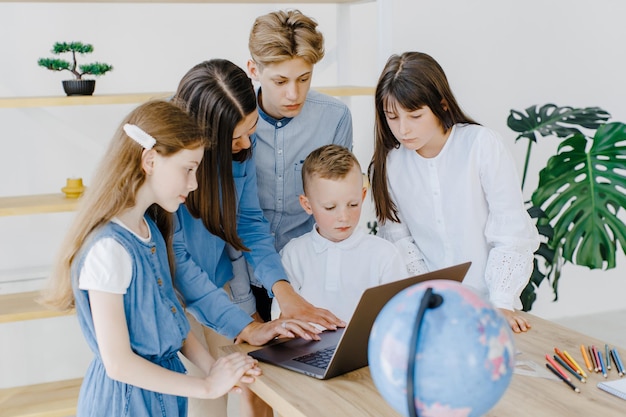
[[281, 147]]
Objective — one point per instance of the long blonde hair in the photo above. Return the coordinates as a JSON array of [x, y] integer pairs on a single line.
[[115, 184]]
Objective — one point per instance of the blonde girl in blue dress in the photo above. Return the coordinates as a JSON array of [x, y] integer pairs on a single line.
[[114, 269]]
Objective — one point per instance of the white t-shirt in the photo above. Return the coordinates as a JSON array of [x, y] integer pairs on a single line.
[[465, 204], [333, 275], [108, 266]]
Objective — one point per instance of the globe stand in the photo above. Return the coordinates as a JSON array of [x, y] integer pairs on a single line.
[[429, 300]]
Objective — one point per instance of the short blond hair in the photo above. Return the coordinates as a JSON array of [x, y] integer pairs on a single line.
[[330, 162], [283, 35]]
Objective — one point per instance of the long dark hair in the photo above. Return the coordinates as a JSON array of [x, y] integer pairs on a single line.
[[411, 80], [219, 95]]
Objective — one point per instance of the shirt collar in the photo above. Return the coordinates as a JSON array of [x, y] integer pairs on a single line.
[[277, 123], [320, 243]]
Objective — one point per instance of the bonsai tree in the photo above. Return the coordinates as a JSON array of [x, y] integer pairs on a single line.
[[581, 195], [56, 64]]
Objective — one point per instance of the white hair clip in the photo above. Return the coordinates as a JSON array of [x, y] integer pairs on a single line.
[[139, 136]]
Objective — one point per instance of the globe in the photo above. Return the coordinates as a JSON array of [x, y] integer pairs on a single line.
[[464, 352]]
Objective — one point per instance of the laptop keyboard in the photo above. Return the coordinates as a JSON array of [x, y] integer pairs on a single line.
[[319, 359]]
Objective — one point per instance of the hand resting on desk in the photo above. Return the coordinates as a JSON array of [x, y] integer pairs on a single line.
[[517, 322]]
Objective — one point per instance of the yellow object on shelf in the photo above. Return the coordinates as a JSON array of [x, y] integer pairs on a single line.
[[74, 188]]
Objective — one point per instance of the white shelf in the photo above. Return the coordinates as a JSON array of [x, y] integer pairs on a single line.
[[36, 204], [52, 101], [22, 306], [52, 399], [105, 99]]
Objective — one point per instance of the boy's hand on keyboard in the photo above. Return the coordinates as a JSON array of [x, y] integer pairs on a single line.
[[258, 334], [292, 305]]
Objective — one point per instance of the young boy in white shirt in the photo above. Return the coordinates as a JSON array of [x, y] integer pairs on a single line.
[[332, 265]]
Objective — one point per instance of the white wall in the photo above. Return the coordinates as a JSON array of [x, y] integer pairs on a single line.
[[498, 54]]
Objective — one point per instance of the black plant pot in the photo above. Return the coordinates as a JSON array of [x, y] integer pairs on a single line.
[[79, 87]]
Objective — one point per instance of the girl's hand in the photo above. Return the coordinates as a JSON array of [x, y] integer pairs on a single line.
[[257, 334], [517, 322], [229, 371]]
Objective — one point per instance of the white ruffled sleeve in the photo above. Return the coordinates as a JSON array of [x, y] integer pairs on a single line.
[[399, 235], [510, 261], [509, 229]]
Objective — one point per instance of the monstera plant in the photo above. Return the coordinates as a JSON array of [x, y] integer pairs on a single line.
[[579, 200]]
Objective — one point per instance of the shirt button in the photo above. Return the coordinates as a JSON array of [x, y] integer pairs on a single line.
[[153, 250], [173, 309], [280, 151], [160, 281], [279, 124]]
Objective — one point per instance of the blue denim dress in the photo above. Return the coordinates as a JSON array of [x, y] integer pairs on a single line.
[[157, 328]]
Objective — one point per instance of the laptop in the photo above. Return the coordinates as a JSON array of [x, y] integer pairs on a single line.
[[345, 349]]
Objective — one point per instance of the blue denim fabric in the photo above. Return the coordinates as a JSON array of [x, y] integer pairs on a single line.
[[239, 286], [281, 147], [203, 265], [157, 328]]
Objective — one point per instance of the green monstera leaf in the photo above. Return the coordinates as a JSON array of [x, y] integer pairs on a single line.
[[582, 190], [541, 270], [551, 119], [577, 204]]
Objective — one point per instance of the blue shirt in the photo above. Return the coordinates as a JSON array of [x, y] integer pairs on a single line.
[[157, 328], [282, 145], [203, 265]]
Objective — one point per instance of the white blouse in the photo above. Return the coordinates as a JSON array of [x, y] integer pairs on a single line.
[[465, 204]]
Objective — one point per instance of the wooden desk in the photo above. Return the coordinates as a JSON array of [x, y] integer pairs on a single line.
[[354, 394]]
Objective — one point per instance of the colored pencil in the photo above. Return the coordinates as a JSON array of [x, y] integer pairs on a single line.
[[564, 358], [578, 368], [569, 368], [602, 365], [608, 358], [618, 362], [558, 368], [617, 367], [555, 372], [583, 351], [594, 354]]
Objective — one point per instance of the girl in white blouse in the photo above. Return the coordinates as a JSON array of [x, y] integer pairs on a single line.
[[451, 192]]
